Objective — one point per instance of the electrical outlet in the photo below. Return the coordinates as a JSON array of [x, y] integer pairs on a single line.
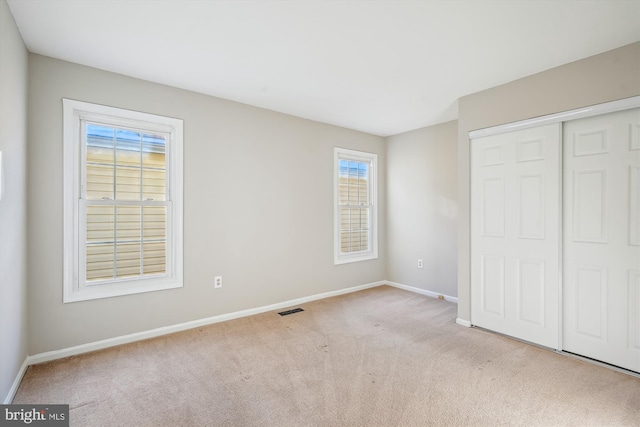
[[217, 282], [420, 263]]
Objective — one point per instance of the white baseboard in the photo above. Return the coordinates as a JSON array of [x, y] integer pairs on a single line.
[[422, 291], [16, 383], [138, 336], [463, 322]]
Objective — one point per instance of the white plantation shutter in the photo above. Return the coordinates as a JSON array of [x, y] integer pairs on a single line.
[[355, 214]]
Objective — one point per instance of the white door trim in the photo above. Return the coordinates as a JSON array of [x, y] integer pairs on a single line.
[[593, 110]]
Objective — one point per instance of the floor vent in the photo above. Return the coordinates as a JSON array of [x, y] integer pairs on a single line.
[[295, 310]]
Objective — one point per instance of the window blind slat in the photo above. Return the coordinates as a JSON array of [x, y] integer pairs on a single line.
[[100, 262], [155, 258], [117, 235], [353, 198]]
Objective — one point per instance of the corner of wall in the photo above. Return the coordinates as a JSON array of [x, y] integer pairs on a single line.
[[13, 206]]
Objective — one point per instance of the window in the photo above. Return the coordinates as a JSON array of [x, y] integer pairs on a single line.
[[355, 211], [122, 202]]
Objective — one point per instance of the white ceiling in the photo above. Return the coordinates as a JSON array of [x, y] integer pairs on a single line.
[[382, 67]]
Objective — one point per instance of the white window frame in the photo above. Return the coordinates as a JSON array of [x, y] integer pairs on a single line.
[[74, 113], [372, 159]]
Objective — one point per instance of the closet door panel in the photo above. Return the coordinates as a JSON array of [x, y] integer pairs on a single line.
[[601, 252], [515, 205]]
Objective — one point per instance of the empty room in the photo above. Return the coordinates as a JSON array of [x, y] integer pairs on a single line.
[[319, 213]]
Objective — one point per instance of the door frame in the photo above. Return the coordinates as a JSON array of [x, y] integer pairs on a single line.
[[563, 116]]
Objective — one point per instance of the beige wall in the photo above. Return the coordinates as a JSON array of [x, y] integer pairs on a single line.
[[13, 206], [422, 208], [606, 77], [257, 207]]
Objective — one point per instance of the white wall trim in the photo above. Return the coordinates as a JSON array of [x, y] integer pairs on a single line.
[[138, 336], [421, 291], [594, 110], [463, 322], [16, 383]]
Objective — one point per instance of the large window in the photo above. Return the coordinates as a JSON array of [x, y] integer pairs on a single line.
[[123, 201], [355, 216]]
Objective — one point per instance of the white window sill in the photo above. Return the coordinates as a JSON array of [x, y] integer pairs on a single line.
[[348, 259], [117, 289]]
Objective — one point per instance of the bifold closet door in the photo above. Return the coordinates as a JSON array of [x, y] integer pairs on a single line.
[[601, 244], [515, 233]]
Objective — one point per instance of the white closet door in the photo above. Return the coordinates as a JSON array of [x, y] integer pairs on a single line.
[[515, 234], [601, 289]]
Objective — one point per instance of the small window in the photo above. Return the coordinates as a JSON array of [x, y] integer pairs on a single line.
[[355, 210], [123, 202]]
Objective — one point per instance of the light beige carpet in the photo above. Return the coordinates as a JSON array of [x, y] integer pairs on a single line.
[[380, 357]]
